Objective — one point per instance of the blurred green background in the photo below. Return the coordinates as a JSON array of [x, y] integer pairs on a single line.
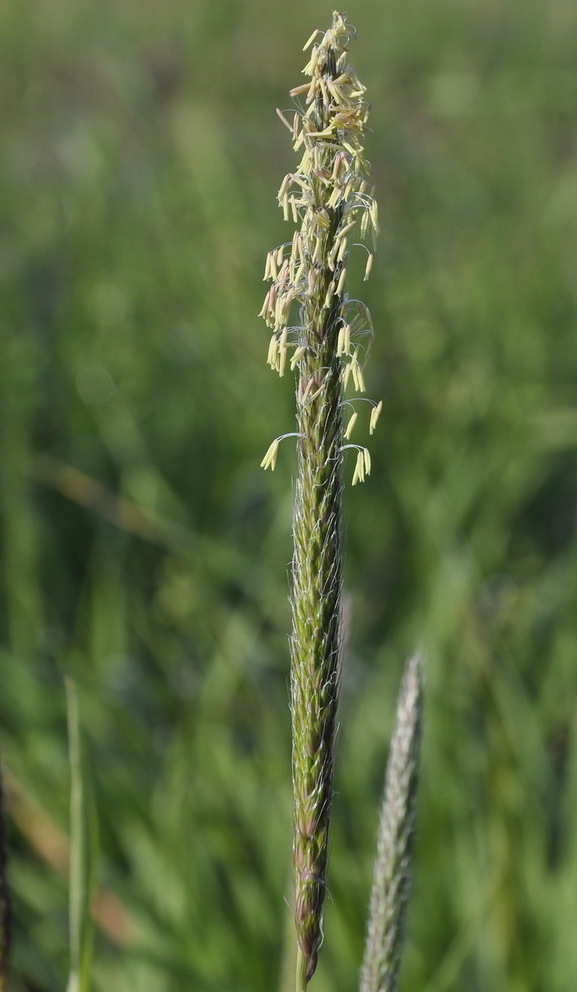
[[145, 553]]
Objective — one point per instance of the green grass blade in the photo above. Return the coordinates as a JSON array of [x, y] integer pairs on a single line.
[[4, 895], [82, 855]]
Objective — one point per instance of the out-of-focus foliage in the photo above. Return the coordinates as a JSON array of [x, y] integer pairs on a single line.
[[144, 553]]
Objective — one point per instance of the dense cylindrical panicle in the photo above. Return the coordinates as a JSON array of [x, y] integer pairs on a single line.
[[315, 649], [391, 878], [323, 335]]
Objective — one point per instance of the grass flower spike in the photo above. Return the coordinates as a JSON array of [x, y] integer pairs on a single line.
[[323, 335], [391, 877]]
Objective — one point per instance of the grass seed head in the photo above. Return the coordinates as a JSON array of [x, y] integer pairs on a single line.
[[328, 197]]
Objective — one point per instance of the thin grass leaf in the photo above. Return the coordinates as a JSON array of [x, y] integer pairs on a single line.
[[4, 894], [82, 855]]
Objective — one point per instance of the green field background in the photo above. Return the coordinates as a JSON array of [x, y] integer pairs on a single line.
[[145, 554]]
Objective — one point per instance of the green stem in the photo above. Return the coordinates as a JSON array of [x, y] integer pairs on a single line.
[[301, 971]]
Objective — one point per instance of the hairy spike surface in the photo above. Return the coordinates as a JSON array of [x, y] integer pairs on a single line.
[[391, 877], [324, 333]]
